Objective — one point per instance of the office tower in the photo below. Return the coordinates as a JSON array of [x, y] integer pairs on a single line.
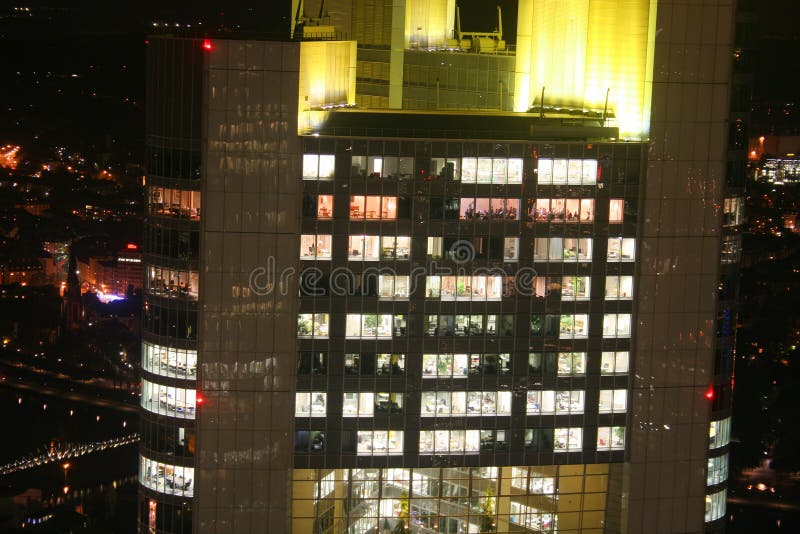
[[445, 284]]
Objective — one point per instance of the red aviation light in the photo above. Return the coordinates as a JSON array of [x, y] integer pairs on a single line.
[[207, 45], [199, 400], [710, 393]]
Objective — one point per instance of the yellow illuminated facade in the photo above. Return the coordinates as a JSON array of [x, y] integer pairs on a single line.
[[327, 80], [429, 23], [581, 52], [566, 498]]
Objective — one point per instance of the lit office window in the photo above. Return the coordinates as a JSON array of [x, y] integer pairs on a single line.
[[733, 212], [453, 403], [619, 287], [554, 402], [368, 325], [621, 249], [324, 206], [169, 361], [434, 248], [716, 505], [473, 209], [166, 478], [717, 470], [613, 401], [568, 439], [318, 166], [719, 433], [168, 400], [382, 167], [312, 325], [610, 438], [616, 209], [449, 441], [310, 404], [571, 363], [315, 247], [379, 442], [571, 210], [466, 288], [575, 287], [614, 362], [563, 171], [445, 365], [393, 287], [394, 247], [358, 404], [511, 248], [562, 249], [573, 326], [373, 207], [616, 325], [364, 247]]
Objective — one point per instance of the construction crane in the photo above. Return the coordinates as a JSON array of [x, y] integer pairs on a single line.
[[478, 41]]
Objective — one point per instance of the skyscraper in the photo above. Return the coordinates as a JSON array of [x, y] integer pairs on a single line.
[[439, 283]]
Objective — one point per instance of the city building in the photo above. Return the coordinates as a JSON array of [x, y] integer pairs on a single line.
[[438, 283]]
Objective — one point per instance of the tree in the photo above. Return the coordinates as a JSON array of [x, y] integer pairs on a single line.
[[402, 515], [488, 502]]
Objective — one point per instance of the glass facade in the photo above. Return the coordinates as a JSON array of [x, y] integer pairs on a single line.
[[436, 349]]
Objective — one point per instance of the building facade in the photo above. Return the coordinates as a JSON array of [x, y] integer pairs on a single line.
[[407, 316]]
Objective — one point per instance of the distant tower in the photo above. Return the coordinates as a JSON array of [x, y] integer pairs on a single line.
[[72, 306]]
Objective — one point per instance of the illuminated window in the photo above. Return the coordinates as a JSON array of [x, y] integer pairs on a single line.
[[610, 438], [373, 207], [166, 478], [719, 433], [717, 470], [563, 171], [169, 361], [571, 363], [318, 166], [168, 400], [554, 402], [475, 288], [364, 247], [310, 404], [575, 288], [434, 248], [616, 209], [613, 400], [315, 247], [453, 403], [562, 249], [393, 287], [574, 326], [733, 212], [621, 249], [473, 209], [568, 439], [619, 287], [445, 365], [325, 206], [312, 325], [716, 505], [616, 325], [368, 325], [614, 363], [379, 442], [449, 441], [358, 404]]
